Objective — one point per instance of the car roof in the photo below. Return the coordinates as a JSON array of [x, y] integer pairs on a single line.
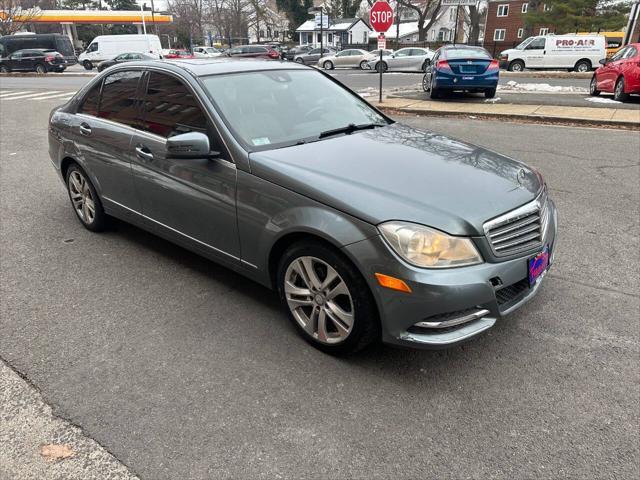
[[201, 67]]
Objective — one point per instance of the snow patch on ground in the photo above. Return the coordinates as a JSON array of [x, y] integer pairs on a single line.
[[513, 86], [601, 100], [492, 100]]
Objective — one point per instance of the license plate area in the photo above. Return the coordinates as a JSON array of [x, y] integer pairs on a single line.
[[537, 265], [468, 78]]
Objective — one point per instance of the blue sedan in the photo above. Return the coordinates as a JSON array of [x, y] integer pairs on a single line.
[[462, 68]]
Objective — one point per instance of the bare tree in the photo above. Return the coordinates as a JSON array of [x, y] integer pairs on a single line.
[[427, 11], [13, 16]]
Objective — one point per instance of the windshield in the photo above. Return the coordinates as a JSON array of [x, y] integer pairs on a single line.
[[278, 108], [524, 44]]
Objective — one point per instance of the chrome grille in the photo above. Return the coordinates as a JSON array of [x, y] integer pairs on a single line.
[[520, 230]]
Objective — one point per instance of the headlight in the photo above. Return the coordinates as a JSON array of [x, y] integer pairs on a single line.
[[425, 247]]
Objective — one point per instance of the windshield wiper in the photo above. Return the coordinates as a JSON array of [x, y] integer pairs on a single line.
[[352, 127]]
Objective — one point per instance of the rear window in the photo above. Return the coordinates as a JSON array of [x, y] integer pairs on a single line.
[[91, 101], [462, 53], [119, 97]]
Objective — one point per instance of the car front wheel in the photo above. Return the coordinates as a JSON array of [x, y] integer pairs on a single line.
[[593, 87], [381, 67], [516, 66], [4, 69], [326, 298], [85, 200], [87, 65], [40, 68], [299, 60], [327, 65], [364, 65]]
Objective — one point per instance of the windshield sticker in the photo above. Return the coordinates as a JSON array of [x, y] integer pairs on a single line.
[[261, 141]]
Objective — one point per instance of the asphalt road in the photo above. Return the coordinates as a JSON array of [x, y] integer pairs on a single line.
[[366, 83], [183, 369]]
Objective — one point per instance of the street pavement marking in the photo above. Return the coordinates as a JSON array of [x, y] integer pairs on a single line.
[[32, 95], [65, 94], [14, 93]]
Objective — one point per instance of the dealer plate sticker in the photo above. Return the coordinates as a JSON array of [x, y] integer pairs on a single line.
[[538, 265]]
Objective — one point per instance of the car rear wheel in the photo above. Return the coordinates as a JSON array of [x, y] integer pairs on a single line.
[[85, 200], [40, 68], [516, 66], [490, 93], [426, 83], [327, 65], [381, 67], [583, 66], [326, 298], [299, 60], [87, 65], [618, 93], [4, 69], [593, 87]]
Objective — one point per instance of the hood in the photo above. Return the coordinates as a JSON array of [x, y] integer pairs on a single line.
[[509, 51], [400, 173]]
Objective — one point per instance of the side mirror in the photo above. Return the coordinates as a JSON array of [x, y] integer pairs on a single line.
[[189, 145], [602, 61]]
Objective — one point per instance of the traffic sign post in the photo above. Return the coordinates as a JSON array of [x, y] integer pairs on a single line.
[[381, 18]]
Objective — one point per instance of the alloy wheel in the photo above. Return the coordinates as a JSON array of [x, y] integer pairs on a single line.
[[319, 299], [80, 193], [40, 69]]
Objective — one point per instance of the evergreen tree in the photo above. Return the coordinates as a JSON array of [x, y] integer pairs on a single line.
[[566, 16]]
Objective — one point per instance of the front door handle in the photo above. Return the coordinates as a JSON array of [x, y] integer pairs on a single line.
[[144, 153], [85, 129]]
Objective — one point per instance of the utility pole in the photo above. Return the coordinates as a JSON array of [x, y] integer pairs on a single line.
[[153, 17]]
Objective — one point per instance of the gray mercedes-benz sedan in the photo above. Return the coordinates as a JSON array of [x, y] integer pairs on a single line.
[[368, 229]]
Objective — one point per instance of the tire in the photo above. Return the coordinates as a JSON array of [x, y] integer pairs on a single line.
[[356, 305], [516, 66], [381, 65], [328, 65], [41, 69], [299, 60], [593, 87], [87, 65], [364, 65], [424, 67], [80, 189], [582, 66], [490, 93], [618, 93], [426, 85], [4, 69]]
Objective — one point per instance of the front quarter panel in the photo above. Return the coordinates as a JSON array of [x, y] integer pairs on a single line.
[[268, 212]]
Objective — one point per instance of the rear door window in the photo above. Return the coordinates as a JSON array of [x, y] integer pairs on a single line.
[[170, 108], [119, 97], [89, 105]]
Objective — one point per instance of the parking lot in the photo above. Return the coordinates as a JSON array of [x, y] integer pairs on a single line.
[[183, 369]]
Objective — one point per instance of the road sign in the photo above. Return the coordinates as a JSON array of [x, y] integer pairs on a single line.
[[322, 18], [458, 3], [381, 16], [382, 42]]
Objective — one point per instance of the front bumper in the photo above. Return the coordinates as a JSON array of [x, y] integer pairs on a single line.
[[483, 293]]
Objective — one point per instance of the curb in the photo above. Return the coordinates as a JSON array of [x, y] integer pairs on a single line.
[[545, 119], [44, 75]]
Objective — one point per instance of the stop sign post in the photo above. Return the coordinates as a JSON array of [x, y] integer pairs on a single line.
[[381, 19]]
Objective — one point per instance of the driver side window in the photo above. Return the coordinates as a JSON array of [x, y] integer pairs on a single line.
[[93, 47]]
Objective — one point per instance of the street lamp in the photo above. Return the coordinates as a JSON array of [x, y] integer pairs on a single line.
[[313, 11]]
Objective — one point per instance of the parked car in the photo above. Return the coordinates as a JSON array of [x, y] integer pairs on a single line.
[[404, 60], [312, 56], [254, 51], [39, 41], [35, 60], [206, 52], [124, 57], [620, 75], [298, 193], [173, 54], [293, 52], [351, 58], [461, 68], [106, 47], [572, 52], [373, 55]]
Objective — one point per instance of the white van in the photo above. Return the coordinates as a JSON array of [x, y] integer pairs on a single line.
[[106, 47], [572, 52]]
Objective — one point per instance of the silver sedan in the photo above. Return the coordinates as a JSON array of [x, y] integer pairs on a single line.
[[351, 58], [404, 60]]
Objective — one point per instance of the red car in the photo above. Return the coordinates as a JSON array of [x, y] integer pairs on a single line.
[[177, 54], [619, 75]]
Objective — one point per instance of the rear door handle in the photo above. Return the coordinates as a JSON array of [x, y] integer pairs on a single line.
[[144, 153], [85, 129]]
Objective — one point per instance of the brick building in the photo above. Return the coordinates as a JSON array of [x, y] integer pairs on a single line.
[[505, 26]]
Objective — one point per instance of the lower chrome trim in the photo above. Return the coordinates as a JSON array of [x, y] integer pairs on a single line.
[[449, 338], [455, 321], [172, 229]]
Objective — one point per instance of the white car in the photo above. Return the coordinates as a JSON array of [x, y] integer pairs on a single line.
[[411, 59], [206, 52], [581, 53]]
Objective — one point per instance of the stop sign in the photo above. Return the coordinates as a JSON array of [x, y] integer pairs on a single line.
[[381, 16]]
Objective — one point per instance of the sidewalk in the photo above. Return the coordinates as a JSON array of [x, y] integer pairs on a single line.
[[613, 117], [35, 444]]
